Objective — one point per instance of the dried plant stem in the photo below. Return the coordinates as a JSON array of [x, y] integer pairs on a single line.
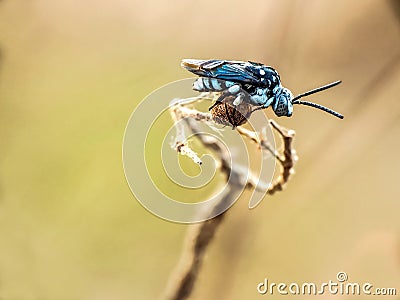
[[287, 160], [200, 235], [198, 238]]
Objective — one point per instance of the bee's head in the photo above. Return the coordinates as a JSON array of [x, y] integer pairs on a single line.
[[283, 101], [282, 104]]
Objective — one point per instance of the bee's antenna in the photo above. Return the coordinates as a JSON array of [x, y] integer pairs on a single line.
[[328, 110], [296, 100], [328, 86]]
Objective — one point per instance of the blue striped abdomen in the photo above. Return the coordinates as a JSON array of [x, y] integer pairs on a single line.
[[206, 84]]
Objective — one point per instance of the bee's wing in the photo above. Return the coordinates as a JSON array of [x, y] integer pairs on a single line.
[[236, 71]]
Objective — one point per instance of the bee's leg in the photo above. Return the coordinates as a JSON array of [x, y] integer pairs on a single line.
[[237, 90], [220, 99], [216, 102], [239, 99], [233, 90]]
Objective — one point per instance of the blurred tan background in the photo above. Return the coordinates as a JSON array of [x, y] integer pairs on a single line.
[[71, 73]]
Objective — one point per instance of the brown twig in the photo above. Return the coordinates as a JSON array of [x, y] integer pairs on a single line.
[[200, 235], [197, 240], [287, 160]]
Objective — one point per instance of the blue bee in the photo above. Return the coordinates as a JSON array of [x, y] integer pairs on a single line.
[[254, 83]]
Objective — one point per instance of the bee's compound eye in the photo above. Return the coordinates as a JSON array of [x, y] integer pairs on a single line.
[[282, 107]]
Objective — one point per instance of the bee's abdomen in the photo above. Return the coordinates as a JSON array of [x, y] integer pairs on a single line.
[[206, 84]]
